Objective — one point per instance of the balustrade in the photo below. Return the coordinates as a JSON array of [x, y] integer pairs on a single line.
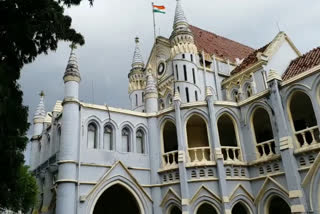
[[170, 159], [307, 137], [199, 155], [266, 149], [231, 154]]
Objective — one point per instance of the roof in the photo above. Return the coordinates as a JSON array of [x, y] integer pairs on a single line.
[[302, 63], [219, 46], [250, 60]]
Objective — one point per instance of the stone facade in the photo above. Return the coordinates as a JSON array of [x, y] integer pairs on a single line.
[[207, 133]]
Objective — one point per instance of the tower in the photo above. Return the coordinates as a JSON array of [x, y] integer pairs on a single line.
[[137, 80], [38, 121], [151, 94], [68, 156], [183, 54]]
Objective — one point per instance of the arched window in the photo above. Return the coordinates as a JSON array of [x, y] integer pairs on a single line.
[[248, 90], [59, 135], [240, 208], [126, 140], [108, 138], [187, 94], [235, 95], [206, 208], [278, 205], [198, 142], [185, 72], [263, 132], [140, 141], [92, 136], [191, 57], [177, 72], [194, 76], [161, 104], [136, 100], [175, 210], [196, 95], [170, 143]]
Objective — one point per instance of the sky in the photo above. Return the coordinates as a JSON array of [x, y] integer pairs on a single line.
[[110, 26]]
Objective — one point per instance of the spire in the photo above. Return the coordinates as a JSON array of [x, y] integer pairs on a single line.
[[72, 68], [40, 112], [179, 17], [150, 85], [137, 61]]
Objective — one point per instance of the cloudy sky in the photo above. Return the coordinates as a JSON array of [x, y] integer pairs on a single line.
[[109, 28]]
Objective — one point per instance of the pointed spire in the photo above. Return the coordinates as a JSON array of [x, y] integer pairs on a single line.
[[40, 112], [137, 61], [179, 17], [151, 84], [72, 68]]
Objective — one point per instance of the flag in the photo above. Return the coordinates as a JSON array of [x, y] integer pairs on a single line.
[[159, 9]]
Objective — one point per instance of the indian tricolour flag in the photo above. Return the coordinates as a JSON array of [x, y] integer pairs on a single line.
[[159, 9]]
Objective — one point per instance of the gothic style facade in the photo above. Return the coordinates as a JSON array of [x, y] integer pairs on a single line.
[[215, 127]]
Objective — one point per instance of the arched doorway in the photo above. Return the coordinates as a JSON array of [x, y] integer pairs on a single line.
[[240, 208], [263, 133], [278, 205], [116, 199], [206, 208], [198, 143], [228, 139], [170, 144], [303, 119], [175, 210]]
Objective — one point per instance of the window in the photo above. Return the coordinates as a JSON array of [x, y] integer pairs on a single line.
[[194, 76], [185, 72], [140, 142], [235, 96], [142, 97], [249, 91], [183, 56], [136, 99], [92, 136], [59, 135], [125, 140], [108, 138], [177, 72], [178, 88], [187, 94], [191, 57], [196, 95]]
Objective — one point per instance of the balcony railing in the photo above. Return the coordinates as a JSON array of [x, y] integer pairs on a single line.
[[266, 149], [170, 159], [199, 155], [307, 137], [231, 154]]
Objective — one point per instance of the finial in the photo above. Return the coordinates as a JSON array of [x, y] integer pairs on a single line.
[[40, 111], [72, 68], [176, 96], [41, 94], [179, 17], [73, 46], [137, 61], [273, 74], [150, 85]]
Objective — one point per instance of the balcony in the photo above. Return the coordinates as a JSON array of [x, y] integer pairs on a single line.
[[231, 155], [199, 156], [307, 139], [266, 150], [170, 160]]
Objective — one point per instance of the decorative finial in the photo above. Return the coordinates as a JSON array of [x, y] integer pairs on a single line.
[[137, 61], [41, 93], [73, 46], [177, 96], [72, 68], [136, 40]]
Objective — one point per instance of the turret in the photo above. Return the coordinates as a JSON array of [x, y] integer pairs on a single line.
[[137, 80], [70, 134], [38, 124], [184, 54], [151, 94]]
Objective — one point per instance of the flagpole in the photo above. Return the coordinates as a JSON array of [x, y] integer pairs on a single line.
[[154, 23]]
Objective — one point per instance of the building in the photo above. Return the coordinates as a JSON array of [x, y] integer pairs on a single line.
[[215, 127]]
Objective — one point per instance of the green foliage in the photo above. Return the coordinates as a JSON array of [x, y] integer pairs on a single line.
[[27, 28]]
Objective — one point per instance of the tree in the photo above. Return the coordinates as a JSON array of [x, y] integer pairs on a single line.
[[27, 28]]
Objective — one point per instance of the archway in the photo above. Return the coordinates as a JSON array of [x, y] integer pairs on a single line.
[[206, 208], [117, 199], [278, 205], [303, 119], [175, 210], [263, 132], [170, 143], [198, 142], [240, 208], [228, 138]]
